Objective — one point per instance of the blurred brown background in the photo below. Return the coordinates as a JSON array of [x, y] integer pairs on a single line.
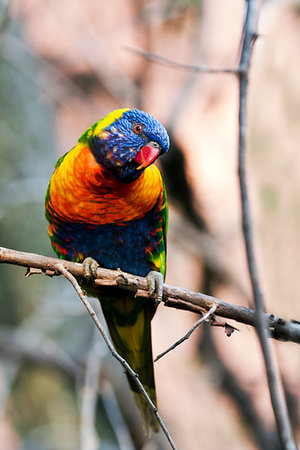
[[63, 65]]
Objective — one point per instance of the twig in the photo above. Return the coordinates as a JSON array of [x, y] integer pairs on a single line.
[[265, 437], [89, 395], [187, 335], [199, 68], [60, 268], [173, 297], [114, 415], [274, 380]]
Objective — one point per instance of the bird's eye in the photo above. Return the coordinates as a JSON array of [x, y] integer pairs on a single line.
[[137, 128]]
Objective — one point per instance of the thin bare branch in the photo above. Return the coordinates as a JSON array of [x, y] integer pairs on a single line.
[[173, 297], [61, 269], [199, 68], [188, 334], [114, 415], [275, 384], [89, 396]]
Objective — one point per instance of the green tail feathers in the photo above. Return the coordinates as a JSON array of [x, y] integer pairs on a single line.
[[129, 324]]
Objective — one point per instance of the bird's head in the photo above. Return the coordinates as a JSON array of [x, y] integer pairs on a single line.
[[127, 141]]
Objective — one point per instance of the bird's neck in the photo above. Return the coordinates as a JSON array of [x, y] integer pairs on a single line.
[[83, 191]]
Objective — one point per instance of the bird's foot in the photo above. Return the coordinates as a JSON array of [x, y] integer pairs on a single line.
[[155, 285], [90, 267]]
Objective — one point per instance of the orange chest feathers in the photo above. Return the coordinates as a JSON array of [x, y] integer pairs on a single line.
[[80, 192]]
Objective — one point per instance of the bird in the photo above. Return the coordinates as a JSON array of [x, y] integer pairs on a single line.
[[106, 205]]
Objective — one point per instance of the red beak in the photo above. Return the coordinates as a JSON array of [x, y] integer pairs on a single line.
[[146, 155]]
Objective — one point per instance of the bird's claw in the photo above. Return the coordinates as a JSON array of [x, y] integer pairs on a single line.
[[155, 285], [90, 267]]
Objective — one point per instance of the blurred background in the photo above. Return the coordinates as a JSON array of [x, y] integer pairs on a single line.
[[63, 65]]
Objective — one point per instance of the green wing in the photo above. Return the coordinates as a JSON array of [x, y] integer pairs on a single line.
[[158, 255]]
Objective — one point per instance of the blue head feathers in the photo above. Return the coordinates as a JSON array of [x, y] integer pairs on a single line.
[[127, 141]]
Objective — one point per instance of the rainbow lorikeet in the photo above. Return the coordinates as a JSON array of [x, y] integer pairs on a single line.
[[107, 202]]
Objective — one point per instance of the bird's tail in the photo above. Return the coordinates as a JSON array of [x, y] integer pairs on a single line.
[[129, 324]]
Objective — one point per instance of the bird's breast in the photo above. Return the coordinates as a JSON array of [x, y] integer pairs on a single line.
[[80, 192]]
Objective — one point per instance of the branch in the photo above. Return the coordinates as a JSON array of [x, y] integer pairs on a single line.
[[272, 370], [89, 395], [112, 410], [173, 297], [188, 334], [265, 437], [198, 68]]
